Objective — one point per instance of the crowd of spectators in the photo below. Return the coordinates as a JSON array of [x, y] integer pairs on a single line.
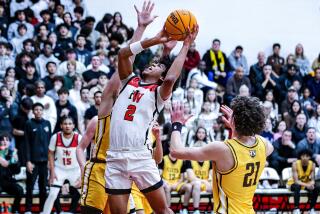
[[54, 55]]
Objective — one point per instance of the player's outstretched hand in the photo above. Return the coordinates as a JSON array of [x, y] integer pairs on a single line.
[[156, 129], [163, 36], [144, 16], [177, 113], [227, 117], [191, 35]]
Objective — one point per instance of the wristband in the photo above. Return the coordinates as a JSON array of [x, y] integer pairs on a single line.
[[176, 126], [136, 48]]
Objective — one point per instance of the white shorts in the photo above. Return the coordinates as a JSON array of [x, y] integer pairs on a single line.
[[72, 175], [124, 167]]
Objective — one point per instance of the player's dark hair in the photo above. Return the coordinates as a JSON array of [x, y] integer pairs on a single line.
[[36, 105], [248, 115], [307, 152], [64, 118]]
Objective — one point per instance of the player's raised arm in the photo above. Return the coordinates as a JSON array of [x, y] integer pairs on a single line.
[[158, 151], [176, 67], [212, 151], [85, 142]]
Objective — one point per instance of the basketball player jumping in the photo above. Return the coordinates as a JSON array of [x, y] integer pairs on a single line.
[[237, 162], [137, 106], [93, 196]]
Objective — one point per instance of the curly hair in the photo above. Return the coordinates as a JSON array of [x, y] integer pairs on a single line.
[[248, 115]]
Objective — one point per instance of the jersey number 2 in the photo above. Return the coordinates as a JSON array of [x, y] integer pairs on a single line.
[[131, 109], [250, 178]]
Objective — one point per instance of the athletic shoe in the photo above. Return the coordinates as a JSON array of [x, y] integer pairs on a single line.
[[184, 211], [28, 212], [312, 211], [196, 212]]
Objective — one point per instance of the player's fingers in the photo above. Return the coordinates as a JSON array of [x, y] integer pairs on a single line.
[[148, 6], [137, 10], [151, 7], [144, 6], [154, 17]]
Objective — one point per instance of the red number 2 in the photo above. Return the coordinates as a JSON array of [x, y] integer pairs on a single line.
[[130, 112]]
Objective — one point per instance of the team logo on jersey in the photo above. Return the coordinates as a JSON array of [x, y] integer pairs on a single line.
[[136, 96], [252, 153]]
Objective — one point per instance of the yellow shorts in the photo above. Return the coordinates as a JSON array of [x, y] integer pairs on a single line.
[[93, 193], [140, 201], [203, 187], [178, 188]]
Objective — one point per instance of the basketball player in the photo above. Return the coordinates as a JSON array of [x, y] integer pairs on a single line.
[[62, 161], [173, 175], [94, 197], [237, 162], [303, 177], [137, 106]]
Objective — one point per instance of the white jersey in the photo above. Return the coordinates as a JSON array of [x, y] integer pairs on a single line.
[[134, 111], [65, 150]]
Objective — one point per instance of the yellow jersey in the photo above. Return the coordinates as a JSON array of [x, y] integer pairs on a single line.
[[303, 175], [200, 169], [101, 140], [234, 189], [171, 170]]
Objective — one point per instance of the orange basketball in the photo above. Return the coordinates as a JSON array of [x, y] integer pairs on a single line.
[[178, 22]]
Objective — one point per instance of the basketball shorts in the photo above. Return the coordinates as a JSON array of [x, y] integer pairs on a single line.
[[72, 175], [93, 187], [123, 167], [140, 201], [179, 186]]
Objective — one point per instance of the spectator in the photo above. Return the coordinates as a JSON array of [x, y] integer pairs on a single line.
[[312, 143], [102, 55], [17, 41], [5, 60], [192, 61], [58, 15], [93, 109], [82, 105], [275, 60], [78, 14], [267, 132], [46, 20], [104, 24], [309, 105], [314, 85], [37, 138], [284, 153], [44, 58], [67, 18], [294, 111], [237, 59], [91, 76], [202, 79], [37, 7], [20, 63], [91, 34], [9, 165], [315, 121], [18, 125], [193, 103], [290, 61], [268, 82], [58, 83], [200, 137], [83, 54], [30, 77], [300, 128], [212, 98], [287, 103], [172, 171], [64, 109], [218, 132], [52, 73], [49, 111], [42, 33], [20, 18], [302, 61], [281, 127], [256, 72], [71, 56], [16, 5], [316, 63], [274, 113], [64, 41], [217, 64], [286, 80], [303, 177], [234, 83], [102, 82], [75, 91], [8, 109]]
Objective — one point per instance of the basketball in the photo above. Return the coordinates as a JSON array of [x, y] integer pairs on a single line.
[[178, 22]]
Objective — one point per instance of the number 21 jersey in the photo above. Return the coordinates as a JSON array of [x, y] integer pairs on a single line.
[[133, 113], [233, 190]]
